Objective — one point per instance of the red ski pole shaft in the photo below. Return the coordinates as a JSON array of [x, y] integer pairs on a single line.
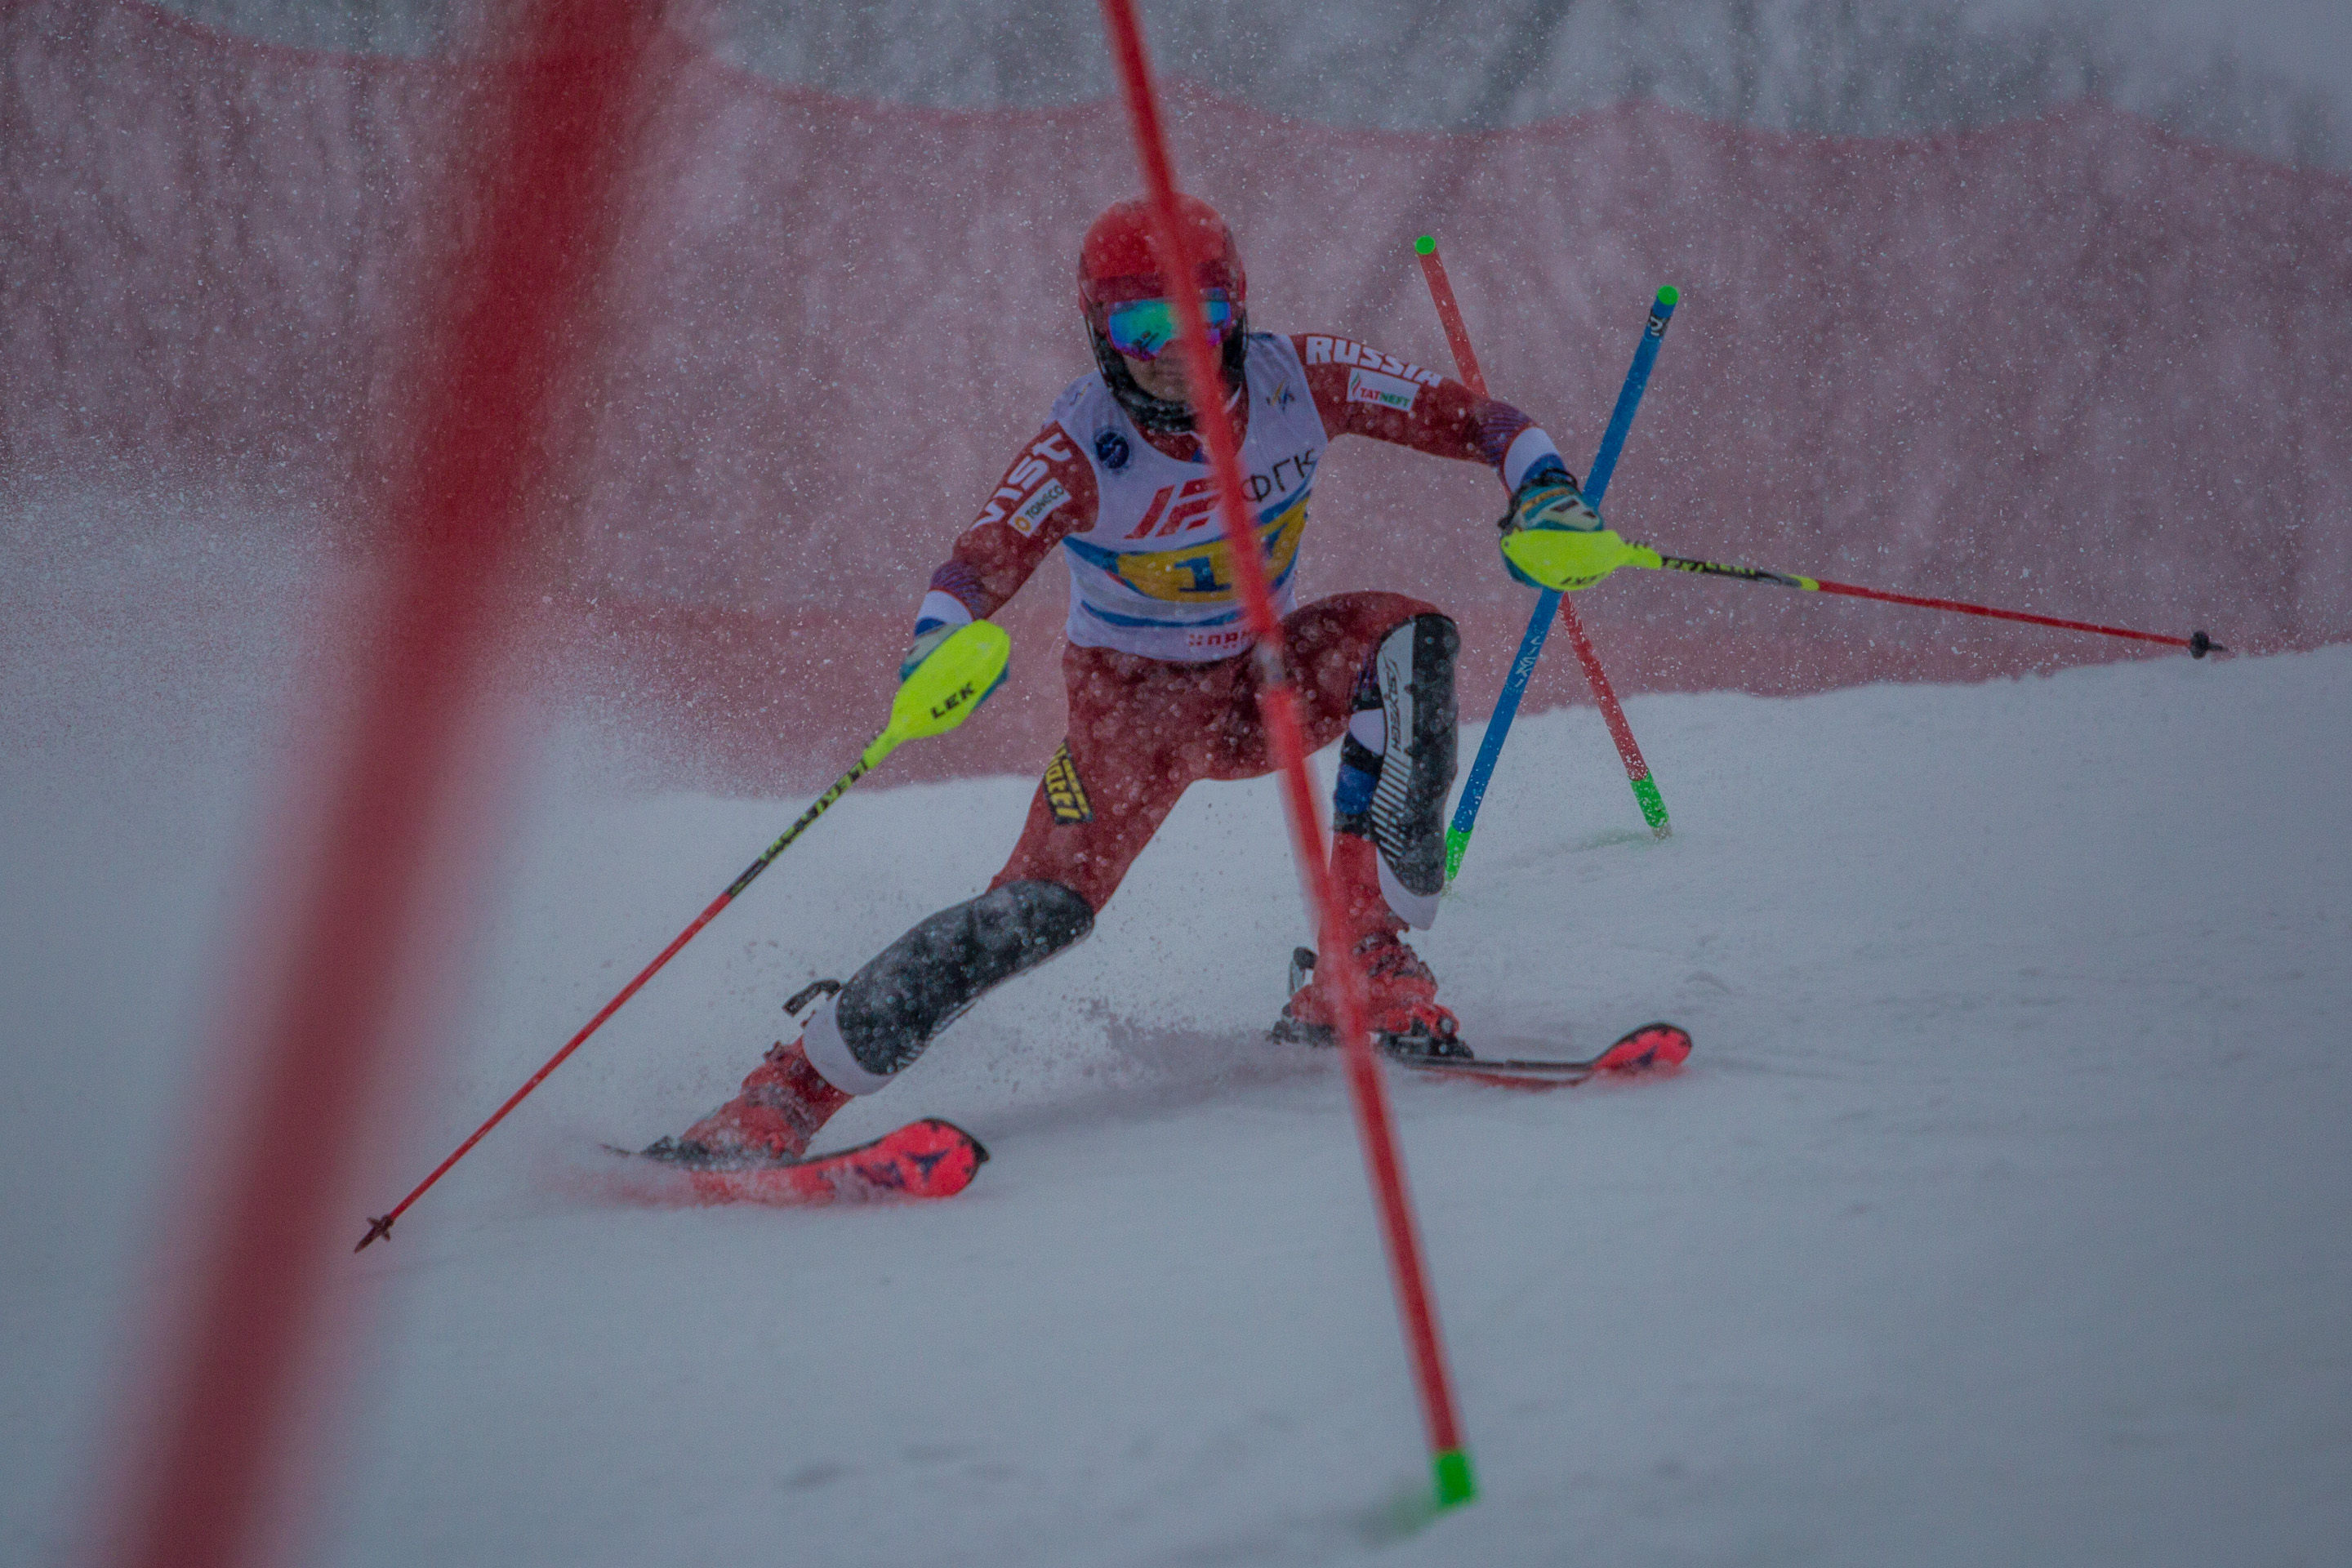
[[2198, 643], [380, 1228], [1613, 712], [1957, 607], [1278, 708]]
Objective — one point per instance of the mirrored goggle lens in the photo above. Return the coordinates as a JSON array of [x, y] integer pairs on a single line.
[[1142, 329]]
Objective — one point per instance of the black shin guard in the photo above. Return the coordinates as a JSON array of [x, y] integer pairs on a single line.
[[919, 984], [1414, 668]]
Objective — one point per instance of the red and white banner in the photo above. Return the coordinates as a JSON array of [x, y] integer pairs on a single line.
[[2072, 364]]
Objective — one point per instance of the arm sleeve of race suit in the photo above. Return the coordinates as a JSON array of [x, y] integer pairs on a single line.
[[1360, 391], [1046, 492]]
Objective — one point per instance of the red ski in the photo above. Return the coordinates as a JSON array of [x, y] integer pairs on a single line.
[[1652, 1048], [925, 1159]]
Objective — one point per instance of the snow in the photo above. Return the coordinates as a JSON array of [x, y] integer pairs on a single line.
[[1999, 1218]]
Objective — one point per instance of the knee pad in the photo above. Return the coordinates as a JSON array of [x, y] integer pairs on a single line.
[[918, 985], [1411, 682]]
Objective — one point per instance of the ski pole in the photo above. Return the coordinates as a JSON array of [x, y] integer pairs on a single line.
[[940, 695], [2198, 643], [1613, 712], [1277, 709], [1531, 645]]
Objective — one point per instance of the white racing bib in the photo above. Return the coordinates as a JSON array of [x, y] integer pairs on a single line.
[[1153, 575]]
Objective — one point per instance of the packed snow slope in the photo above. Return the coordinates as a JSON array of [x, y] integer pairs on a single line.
[[1999, 1217]]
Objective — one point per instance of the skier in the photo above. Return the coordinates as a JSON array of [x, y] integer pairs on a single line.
[[1162, 691]]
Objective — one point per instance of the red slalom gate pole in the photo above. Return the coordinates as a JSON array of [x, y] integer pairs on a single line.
[[202, 1455], [1278, 708], [1613, 712], [1449, 316]]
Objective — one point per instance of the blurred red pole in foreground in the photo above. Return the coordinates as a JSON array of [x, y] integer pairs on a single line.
[[543, 151]]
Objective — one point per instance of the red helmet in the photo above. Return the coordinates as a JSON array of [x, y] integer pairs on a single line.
[[1120, 260]]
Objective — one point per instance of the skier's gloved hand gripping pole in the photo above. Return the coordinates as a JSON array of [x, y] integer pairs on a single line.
[[1277, 708], [1559, 559], [940, 686]]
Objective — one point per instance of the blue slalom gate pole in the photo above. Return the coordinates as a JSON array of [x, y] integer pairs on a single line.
[[1531, 645]]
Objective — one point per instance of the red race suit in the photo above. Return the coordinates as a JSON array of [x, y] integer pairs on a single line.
[[1159, 691]]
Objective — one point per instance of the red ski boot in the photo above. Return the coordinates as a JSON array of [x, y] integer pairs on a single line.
[[784, 1102], [1400, 993]]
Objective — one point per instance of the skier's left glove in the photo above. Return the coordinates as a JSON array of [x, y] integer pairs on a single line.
[[1553, 539]]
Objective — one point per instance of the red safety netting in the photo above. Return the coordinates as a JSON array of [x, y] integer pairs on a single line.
[[2072, 364]]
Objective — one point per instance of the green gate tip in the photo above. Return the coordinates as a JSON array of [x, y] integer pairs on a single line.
[[1653, 804], [1425, 245], [1670, 294], [1455, 1484]]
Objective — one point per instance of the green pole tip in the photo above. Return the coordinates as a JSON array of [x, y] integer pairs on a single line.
[[1455, 1484], [1425, 245], [1670, 294], [1654, 804]]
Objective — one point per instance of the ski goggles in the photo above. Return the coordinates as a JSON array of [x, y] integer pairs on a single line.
[[1142, 329]]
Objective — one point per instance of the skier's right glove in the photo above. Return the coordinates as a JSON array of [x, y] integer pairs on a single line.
[[1553, 539], [927, 642], [927, 638]]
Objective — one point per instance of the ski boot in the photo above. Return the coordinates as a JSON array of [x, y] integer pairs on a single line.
[[1403, 1009], [783, 1103], [1399, 993]]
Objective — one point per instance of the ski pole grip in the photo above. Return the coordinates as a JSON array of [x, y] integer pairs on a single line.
[[945, 687]]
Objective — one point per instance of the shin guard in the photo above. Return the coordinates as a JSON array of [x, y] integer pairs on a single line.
[[919, 984], [1413, 670]]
